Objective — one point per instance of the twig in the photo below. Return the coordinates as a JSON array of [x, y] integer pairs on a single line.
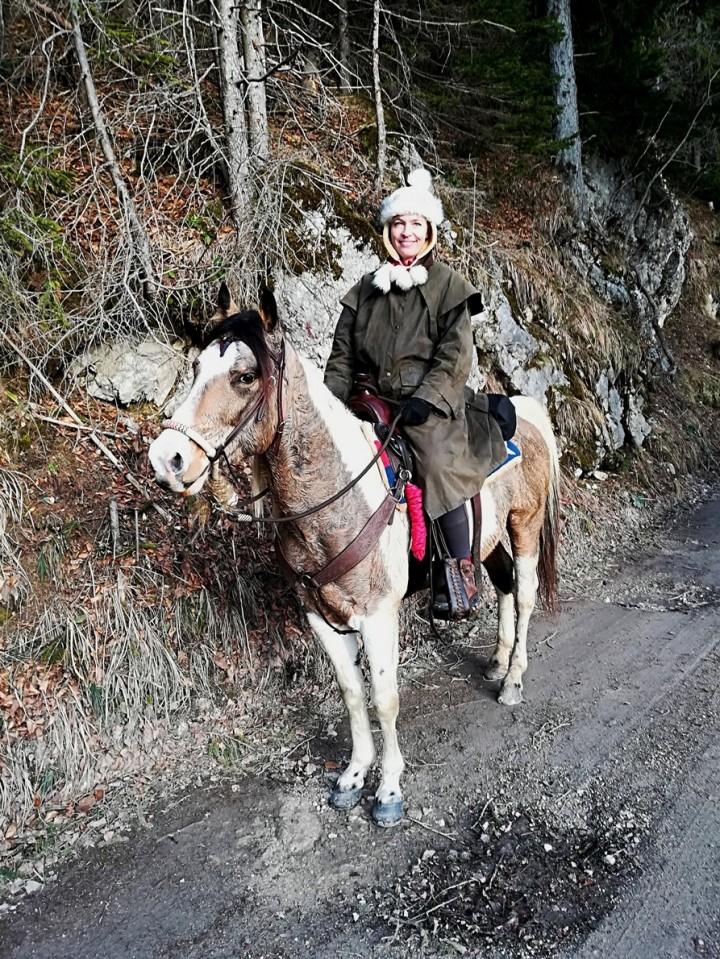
[[424, 915], [114, 525], [53, 15], [71, 412], [547, 728], [79, 426], [437, 832], [303, 742], [479, 818]]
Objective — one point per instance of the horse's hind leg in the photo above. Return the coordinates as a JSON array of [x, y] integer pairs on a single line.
[[343, 652], [380, 635], [499, 568], [526, 583]]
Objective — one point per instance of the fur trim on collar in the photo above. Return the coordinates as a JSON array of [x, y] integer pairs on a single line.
[[404, 277]]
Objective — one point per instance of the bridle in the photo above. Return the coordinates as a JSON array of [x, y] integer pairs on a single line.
[[213, 453]]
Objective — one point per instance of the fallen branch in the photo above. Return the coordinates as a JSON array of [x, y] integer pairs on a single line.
[[98, 442], [79, 426]]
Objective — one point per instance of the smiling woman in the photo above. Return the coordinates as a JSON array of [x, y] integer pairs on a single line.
[[409, 235], [405, 330]]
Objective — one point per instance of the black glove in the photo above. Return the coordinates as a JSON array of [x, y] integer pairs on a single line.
[[414, 412]]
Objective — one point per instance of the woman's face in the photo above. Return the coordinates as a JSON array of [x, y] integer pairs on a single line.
[[408, 235]]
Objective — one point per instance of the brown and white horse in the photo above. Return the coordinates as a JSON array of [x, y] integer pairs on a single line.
[[254, 396]]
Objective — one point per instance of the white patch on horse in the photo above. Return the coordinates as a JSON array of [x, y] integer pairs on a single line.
[[343, 427], [489, 530], [212, 366]]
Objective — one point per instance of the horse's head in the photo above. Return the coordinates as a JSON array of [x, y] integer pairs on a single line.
[[232, 406]]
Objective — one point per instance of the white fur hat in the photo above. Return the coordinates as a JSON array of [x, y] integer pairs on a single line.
[[413, 198]]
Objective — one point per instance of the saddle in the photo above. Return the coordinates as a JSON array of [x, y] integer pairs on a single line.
[[368, 406]]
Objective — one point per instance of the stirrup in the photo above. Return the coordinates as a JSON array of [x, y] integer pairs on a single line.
[[441, 606]]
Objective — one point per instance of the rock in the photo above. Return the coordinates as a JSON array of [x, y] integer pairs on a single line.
[[127, 372], [638, 427], [310, 303], [513, 350], [652, 229]]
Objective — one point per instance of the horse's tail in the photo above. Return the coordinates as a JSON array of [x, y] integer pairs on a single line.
[[529, 409]]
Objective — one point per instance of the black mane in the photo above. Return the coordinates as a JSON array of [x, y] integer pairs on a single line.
[[246, 327]]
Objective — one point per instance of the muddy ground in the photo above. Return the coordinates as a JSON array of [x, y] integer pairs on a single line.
[[584, 823]]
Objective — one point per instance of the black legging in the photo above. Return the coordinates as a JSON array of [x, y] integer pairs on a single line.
[[456, 532]]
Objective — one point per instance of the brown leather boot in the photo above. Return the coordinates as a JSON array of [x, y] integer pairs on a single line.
[[467, 571], [460, 595]]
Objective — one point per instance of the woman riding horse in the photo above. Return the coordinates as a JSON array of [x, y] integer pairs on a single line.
[[407, 327]]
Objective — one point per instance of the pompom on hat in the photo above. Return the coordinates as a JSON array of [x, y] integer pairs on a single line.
[[416, 197]]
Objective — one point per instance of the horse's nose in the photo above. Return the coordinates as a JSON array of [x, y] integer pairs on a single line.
[[176, 464]]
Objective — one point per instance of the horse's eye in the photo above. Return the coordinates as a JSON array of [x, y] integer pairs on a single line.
[[243, 379], [196, 367]]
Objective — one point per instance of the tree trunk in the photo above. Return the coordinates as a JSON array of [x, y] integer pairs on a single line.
[[379, 110], [343, 46], [255, 70], [567, 125], [138, 238], [2, 31], [230, 68]]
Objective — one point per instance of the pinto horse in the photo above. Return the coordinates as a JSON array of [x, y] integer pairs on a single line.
[[254, 396]]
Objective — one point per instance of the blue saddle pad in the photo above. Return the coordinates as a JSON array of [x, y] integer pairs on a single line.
[[513, 453]]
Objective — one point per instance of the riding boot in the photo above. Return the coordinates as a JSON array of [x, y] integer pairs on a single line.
[[462, 595], [455, 591]]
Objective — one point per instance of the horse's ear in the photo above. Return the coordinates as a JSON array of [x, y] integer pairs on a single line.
[[268, 310], [226, 306]]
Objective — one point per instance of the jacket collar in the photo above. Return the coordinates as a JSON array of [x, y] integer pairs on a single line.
[[403, 277]]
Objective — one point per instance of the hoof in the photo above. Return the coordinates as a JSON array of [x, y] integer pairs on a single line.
[[511, 694], [495, 672], [344, 799], [387, 813]]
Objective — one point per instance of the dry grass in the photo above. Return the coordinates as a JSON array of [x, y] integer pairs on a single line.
[[14, 583], [94, 677]]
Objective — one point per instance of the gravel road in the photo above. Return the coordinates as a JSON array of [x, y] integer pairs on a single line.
[[583, 823]]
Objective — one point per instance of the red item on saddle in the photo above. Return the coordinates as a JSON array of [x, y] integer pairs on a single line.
[[418, 529], [413, 498]]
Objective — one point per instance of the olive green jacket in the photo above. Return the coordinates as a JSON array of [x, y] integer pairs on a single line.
[[419, 343]]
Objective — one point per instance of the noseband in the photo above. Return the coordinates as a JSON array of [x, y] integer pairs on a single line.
[[213, 453]]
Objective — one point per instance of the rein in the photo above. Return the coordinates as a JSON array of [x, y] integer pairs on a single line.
[[276, 521], [213, 454], [356, 550]]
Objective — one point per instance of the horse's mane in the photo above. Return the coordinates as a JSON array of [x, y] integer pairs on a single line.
[[246, 327]]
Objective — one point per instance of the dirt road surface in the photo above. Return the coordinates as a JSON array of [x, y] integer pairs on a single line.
[[583, 823]]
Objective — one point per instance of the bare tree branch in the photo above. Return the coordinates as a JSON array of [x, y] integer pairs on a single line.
[[137, 235], [379, 110]]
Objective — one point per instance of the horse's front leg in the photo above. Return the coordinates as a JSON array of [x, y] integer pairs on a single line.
[[380, 635], [526, 583], [343, 652]]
